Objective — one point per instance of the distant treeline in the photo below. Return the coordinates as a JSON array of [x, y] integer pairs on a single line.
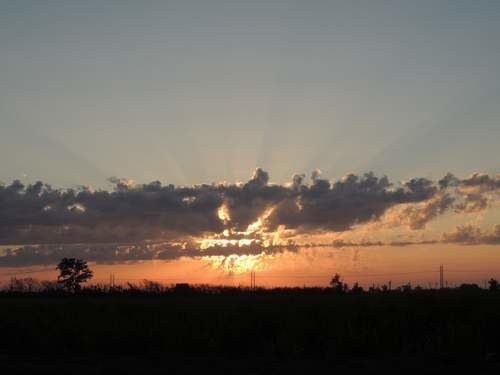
[[148, 287]]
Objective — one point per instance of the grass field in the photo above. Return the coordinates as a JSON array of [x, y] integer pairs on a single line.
[[457, 327]]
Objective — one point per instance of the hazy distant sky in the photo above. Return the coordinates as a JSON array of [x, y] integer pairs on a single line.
[[188, 92]]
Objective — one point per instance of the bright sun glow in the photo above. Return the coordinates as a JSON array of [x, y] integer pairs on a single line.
[[256, 235], [237, 263], [223, 214]]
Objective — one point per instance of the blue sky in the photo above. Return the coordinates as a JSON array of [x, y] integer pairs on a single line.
[[189, 92]]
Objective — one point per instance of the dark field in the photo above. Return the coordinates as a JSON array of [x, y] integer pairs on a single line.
[[281, 331]]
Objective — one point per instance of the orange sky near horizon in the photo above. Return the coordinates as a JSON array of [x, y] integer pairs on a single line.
[[417, 264]]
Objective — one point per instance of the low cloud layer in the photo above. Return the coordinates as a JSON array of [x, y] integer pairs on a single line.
[[38, 214], [470, 235], [109, 253], [30, 255], [461, 235]]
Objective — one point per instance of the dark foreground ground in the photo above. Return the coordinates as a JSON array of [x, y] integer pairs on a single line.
[[284, 333]]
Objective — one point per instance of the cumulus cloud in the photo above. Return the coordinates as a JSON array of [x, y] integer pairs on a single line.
[[339, 205], [473, 194], [259, 177], [122, 184], [297, 180], [37, 213], [315, 175]]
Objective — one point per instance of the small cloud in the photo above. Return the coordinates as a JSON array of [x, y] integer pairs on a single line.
[[470, 235]]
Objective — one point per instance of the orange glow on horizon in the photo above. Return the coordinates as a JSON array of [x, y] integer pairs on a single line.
[[306, 266]]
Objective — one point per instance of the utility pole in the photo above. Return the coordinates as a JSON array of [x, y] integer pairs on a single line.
[[441, 277], [111, 280], [252, 280]]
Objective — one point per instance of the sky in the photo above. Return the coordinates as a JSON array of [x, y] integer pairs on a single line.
[[115, 94]]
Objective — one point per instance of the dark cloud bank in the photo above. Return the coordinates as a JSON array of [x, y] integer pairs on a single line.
[[39, 214]]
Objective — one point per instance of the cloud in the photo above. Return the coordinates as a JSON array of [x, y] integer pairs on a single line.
[[109, 253], [297, 181], [122, 184], [470, 195], [462, 234], [417, 216], [339, 205], [38, 214], [478, 191], [259, 177], [482, 180], [470, 235], [129, 213]]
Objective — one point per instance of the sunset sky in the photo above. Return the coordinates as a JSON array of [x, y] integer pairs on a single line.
[[198, 141]]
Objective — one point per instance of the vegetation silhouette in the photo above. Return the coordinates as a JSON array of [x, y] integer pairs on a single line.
[[194, 322], [72, 273], [493, 285], [337, 285]]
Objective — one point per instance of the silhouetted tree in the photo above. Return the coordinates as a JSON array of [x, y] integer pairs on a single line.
[[357, 289], [493, 285], [338, 285], [73, 272]]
